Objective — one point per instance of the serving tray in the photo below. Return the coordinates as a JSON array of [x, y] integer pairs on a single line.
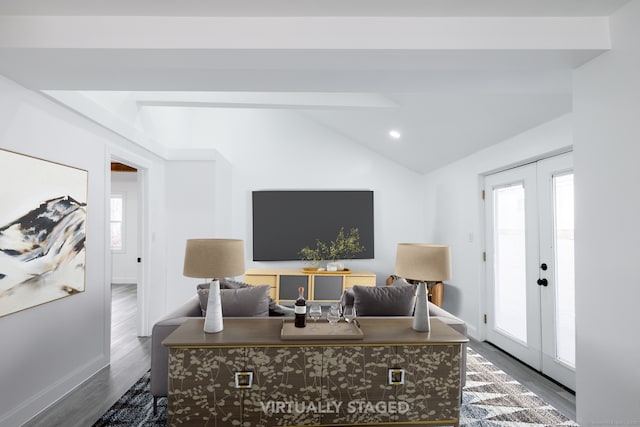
[[322, 331]]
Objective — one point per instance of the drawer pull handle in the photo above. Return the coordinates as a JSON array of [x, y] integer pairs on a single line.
[[396, 376], [244, 379]]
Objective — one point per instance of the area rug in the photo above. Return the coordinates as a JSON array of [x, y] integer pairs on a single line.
[[491, 398]]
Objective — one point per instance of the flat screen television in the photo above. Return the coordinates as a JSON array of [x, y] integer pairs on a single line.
[[284, 222]]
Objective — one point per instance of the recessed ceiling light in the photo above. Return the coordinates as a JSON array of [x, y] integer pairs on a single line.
[[394, 134]]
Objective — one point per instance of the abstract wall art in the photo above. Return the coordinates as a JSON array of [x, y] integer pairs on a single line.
[[43, 216]]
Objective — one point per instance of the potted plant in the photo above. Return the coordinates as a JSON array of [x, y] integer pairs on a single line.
[[345, 246]]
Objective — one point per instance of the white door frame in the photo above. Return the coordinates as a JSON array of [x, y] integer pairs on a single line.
[[143, 273], [556, 163]]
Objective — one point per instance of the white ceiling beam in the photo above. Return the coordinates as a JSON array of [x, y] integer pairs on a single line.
[[315, 33], [312, 7], [280, 100]]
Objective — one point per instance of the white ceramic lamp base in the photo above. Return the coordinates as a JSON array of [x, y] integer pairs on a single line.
[[213, 318], [421, 321]]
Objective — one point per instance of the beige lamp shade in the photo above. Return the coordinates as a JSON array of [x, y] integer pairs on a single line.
[[214, 258], [423, 262]]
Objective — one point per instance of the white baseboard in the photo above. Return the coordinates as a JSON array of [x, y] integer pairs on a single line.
[[52, 394]]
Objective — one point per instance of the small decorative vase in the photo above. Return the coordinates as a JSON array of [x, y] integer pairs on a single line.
[[213, 318], [421, 321], [335, 266]]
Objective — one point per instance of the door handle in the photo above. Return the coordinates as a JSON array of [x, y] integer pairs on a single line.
[[543, 282]]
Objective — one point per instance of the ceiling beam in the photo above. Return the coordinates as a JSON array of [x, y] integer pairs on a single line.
[[280, 100], [312, 7], [310, 33]]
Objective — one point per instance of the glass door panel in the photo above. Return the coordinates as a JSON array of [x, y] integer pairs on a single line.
[[565, 273], [513, 304], [510, 261]]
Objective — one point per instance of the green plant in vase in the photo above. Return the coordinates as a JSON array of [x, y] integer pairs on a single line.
[[314, 257], [345, 246]]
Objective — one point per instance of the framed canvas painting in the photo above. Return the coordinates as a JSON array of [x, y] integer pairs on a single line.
[[43, 216]]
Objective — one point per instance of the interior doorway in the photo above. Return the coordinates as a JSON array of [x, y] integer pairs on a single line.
[[124, 219], [530, 265]]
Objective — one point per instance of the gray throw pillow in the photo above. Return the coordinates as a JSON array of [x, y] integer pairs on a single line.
[[384, 300], [401, 282], [252, 301], [232, 284], [274, 309]]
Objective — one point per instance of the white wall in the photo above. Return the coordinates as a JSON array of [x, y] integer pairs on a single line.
[[282, 150], [49, 349], [454, 213], [264, 149], [124, 265], [190, 198], [607, 152]]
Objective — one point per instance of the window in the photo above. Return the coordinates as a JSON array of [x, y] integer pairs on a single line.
[[117, 222]]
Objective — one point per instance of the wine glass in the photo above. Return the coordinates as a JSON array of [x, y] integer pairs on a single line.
[[333, 317], [349, 313], [315, 311], [337, 307]]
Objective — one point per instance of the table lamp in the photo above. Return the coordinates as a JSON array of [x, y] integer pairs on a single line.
[[214, 259], [423, 263]]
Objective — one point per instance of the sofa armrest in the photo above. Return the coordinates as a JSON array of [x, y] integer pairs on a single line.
[[434, 310], [160, 353], [455, 323], [190, 308]]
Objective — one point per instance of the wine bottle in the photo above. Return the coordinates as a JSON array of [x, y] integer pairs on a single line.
[[300, 310]]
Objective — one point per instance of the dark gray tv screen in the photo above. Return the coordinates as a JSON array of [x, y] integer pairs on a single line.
[[286, 221]]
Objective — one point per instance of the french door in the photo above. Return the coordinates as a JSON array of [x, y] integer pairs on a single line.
[[530, 265]]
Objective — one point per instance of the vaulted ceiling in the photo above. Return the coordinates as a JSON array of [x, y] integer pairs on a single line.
[[452, 76]]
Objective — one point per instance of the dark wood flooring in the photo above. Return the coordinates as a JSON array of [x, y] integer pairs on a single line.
[[130, 359], [556, 395]]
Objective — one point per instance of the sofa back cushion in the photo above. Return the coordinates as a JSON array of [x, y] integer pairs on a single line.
[[251, 301], [384, 301], [274, 309]]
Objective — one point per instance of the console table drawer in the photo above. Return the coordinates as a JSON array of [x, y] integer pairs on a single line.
[[282, 377], [432, 382], [357, 377], [201, 387]]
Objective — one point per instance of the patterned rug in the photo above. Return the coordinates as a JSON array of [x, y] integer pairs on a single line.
[[491, 398]]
